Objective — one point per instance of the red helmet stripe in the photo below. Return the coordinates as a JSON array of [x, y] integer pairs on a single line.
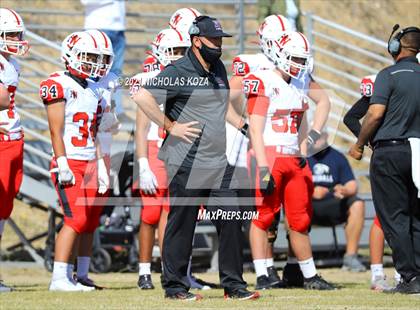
[[16, 16], [193, 11], [106, 40], [179, 34], [94, 41], [281, 22], [304, 40]]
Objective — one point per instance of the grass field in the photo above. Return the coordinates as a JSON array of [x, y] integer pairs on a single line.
[[31, 293]]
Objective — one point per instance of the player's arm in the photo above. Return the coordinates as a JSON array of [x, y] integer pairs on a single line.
[[303, 136], [148, 181], [323, 106], [236, 120], [257, 105], [142, 129], [55, 115], [4, 97], [256, 130], [52, 94], [236, 94]]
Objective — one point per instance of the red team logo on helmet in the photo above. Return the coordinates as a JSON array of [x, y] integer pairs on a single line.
[[176, 19], [73, 40]]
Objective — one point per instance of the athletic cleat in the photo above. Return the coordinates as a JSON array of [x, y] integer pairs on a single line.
[[353, 264], [380, 284], [292, 276], [263, 283], [4, 288], [89, 283], [274, 278], [65, 285], [187, 296], [241, 294], [145, 282], [412, 287], [317, 283]]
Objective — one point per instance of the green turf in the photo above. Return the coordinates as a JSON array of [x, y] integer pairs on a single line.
[[31, 293]]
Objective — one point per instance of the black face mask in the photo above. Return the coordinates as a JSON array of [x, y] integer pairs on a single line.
[[210, 55]]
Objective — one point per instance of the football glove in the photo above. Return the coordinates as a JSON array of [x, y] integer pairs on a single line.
[[148, 181], [267, 183], [103, 177], [65, 175]]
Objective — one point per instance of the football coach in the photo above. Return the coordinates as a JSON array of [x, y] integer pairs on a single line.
[[393, 121], [194, 91]]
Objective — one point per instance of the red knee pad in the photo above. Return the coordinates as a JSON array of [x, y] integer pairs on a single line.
[[151, 214], [265, 216], [301, 224], [376, 222]]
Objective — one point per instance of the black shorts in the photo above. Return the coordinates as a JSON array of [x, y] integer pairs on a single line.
[[331, 211]]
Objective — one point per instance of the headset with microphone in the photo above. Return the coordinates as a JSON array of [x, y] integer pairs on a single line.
[[394, 44], [194, 30]]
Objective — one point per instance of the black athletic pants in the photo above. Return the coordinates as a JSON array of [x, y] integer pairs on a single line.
[[395, 199], [189, 189]]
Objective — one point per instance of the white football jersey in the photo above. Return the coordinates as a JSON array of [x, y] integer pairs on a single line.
[[246, 63], [281, 103], [9, 77], [81, 109], [155, 133]]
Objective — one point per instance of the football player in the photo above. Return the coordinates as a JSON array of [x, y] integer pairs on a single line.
[[108, 125], [278, 130], [376, 235], [273, 29], [168, 46], [78, 171], [11, 134]]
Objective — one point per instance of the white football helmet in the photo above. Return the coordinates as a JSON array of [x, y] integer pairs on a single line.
[[272, 29], [292, 54], [12, 30], [105, 45], [82, 55], [164, 44], [182, 19]]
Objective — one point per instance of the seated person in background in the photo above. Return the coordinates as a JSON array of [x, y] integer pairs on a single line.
[[334, 200]]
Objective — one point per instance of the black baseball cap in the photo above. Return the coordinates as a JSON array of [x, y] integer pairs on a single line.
[[206, 26]]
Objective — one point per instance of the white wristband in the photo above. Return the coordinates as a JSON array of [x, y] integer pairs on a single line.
[[143, 163], [62, 163]]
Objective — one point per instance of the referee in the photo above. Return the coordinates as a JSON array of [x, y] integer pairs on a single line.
[[195, 93], [392, 124]]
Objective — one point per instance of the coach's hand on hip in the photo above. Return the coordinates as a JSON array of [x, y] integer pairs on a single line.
[[184, 131]]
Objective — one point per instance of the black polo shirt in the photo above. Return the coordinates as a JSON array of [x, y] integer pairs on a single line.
[[189, 93], [398, 88]]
